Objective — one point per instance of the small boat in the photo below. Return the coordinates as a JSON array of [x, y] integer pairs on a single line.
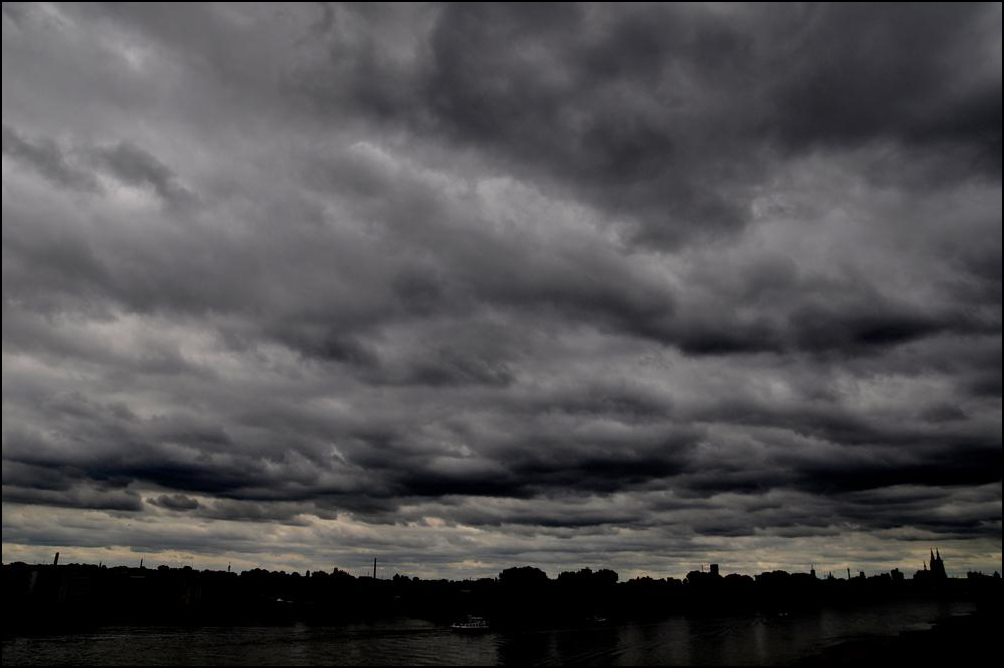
[[472, 623]]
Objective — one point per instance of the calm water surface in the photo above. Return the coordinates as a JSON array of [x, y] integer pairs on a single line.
[[748, 640]]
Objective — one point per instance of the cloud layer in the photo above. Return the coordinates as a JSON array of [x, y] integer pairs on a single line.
[[469, 286]]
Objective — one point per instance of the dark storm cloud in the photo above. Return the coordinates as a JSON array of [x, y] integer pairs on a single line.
[[124, 161], [84, 497], [670, 115], [178, 502], [912, 90], [483, 283], [48, 159], [134, 166]]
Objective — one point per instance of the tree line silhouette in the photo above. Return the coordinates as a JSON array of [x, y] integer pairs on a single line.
[[44, 596]]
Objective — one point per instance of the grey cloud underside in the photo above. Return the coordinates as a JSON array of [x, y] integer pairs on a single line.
[[539, 269], [667, 114]]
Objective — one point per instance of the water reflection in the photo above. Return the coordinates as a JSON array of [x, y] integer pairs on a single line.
[[747, 640]]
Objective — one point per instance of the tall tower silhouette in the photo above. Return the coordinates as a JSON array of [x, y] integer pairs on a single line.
[[938, 566]]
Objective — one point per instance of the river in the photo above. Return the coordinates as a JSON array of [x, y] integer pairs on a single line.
[[676, 640]]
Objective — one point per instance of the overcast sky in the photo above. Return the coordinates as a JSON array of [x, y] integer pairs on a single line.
[[468, 287]]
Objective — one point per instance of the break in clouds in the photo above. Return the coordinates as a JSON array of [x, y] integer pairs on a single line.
[[466, 287]]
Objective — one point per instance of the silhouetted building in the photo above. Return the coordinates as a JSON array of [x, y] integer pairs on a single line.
[[714, 570], [937, 566], [936, 570]]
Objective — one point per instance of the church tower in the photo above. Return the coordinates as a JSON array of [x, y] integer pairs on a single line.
[[938, 566]]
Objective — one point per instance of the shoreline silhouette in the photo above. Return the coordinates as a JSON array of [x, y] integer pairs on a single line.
[[82, 595]]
